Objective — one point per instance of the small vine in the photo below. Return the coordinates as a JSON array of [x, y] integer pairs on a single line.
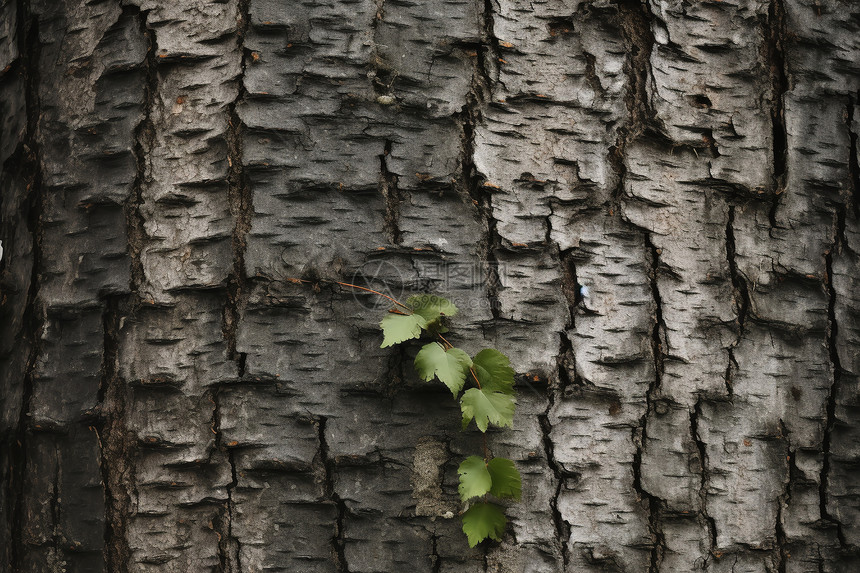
[[489, 402]]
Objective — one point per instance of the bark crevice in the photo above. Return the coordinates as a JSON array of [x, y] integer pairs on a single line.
[[117, 444], [655, 505], [480, 195], [738, 280], [562, 527], [492, 55], [391, 195], [701, 448], [30, 170], [436, 560], [635, 19], [853, 166], [228, 544], [572, 291], [741, 296], [777, 35], [659, 344], [382, 74], [328, 470], [144, 141], [783, 501], [240, 201], [835, 386]]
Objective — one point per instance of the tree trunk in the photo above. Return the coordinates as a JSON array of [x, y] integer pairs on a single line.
[[171, 401]]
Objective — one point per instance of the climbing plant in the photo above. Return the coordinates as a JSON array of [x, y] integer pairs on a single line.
[[490, 401]]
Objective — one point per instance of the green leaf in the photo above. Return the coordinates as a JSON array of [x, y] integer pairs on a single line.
[[506, 479], [475, 479], [450, 366], [399, 327], [431, 306], [494, 371], [487, 407], [484, 520]]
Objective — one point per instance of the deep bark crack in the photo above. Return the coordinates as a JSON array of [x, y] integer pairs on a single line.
[[240, 200], [572, 291], [239, 197], [781, 537], [655, 504], [492, 54], [328, 467], [775, 54], [738, 280], [562, 528], [695, 414], [480, 196], [659, 344], [640, 432], [436, 565], [741, 289], [144, 141], [117, 443], [31, 173], [835, 387], [228, 544], [391, 194], [634, 19], [853, 167]]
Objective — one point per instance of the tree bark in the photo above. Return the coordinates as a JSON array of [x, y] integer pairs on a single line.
[[171, 401]]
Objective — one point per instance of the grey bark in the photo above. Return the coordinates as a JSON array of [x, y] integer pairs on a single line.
[[170, 401]]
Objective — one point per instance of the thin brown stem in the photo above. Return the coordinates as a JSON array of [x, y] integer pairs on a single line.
[[446, 343], [475, 376], [395, 301]]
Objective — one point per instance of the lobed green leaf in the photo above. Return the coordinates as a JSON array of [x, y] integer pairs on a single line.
[[431, 306], [505, 477], [487, 407], [397, 328], [484, 520], [475, 479], [494, 371], [450, 366]]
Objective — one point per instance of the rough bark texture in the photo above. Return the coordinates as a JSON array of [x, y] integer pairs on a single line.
[[170, 402]]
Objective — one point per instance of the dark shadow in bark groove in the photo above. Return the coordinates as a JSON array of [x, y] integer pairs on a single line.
[[741, 288], [328, 467], [228, 545], [144, 138], [479, 194], [775, 54], [562, 527], [783, 501], [695, 414], [391, 195], [241, 203], [853, 167], [117, 442], [29, 171], [835, 388], [656, 506]]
